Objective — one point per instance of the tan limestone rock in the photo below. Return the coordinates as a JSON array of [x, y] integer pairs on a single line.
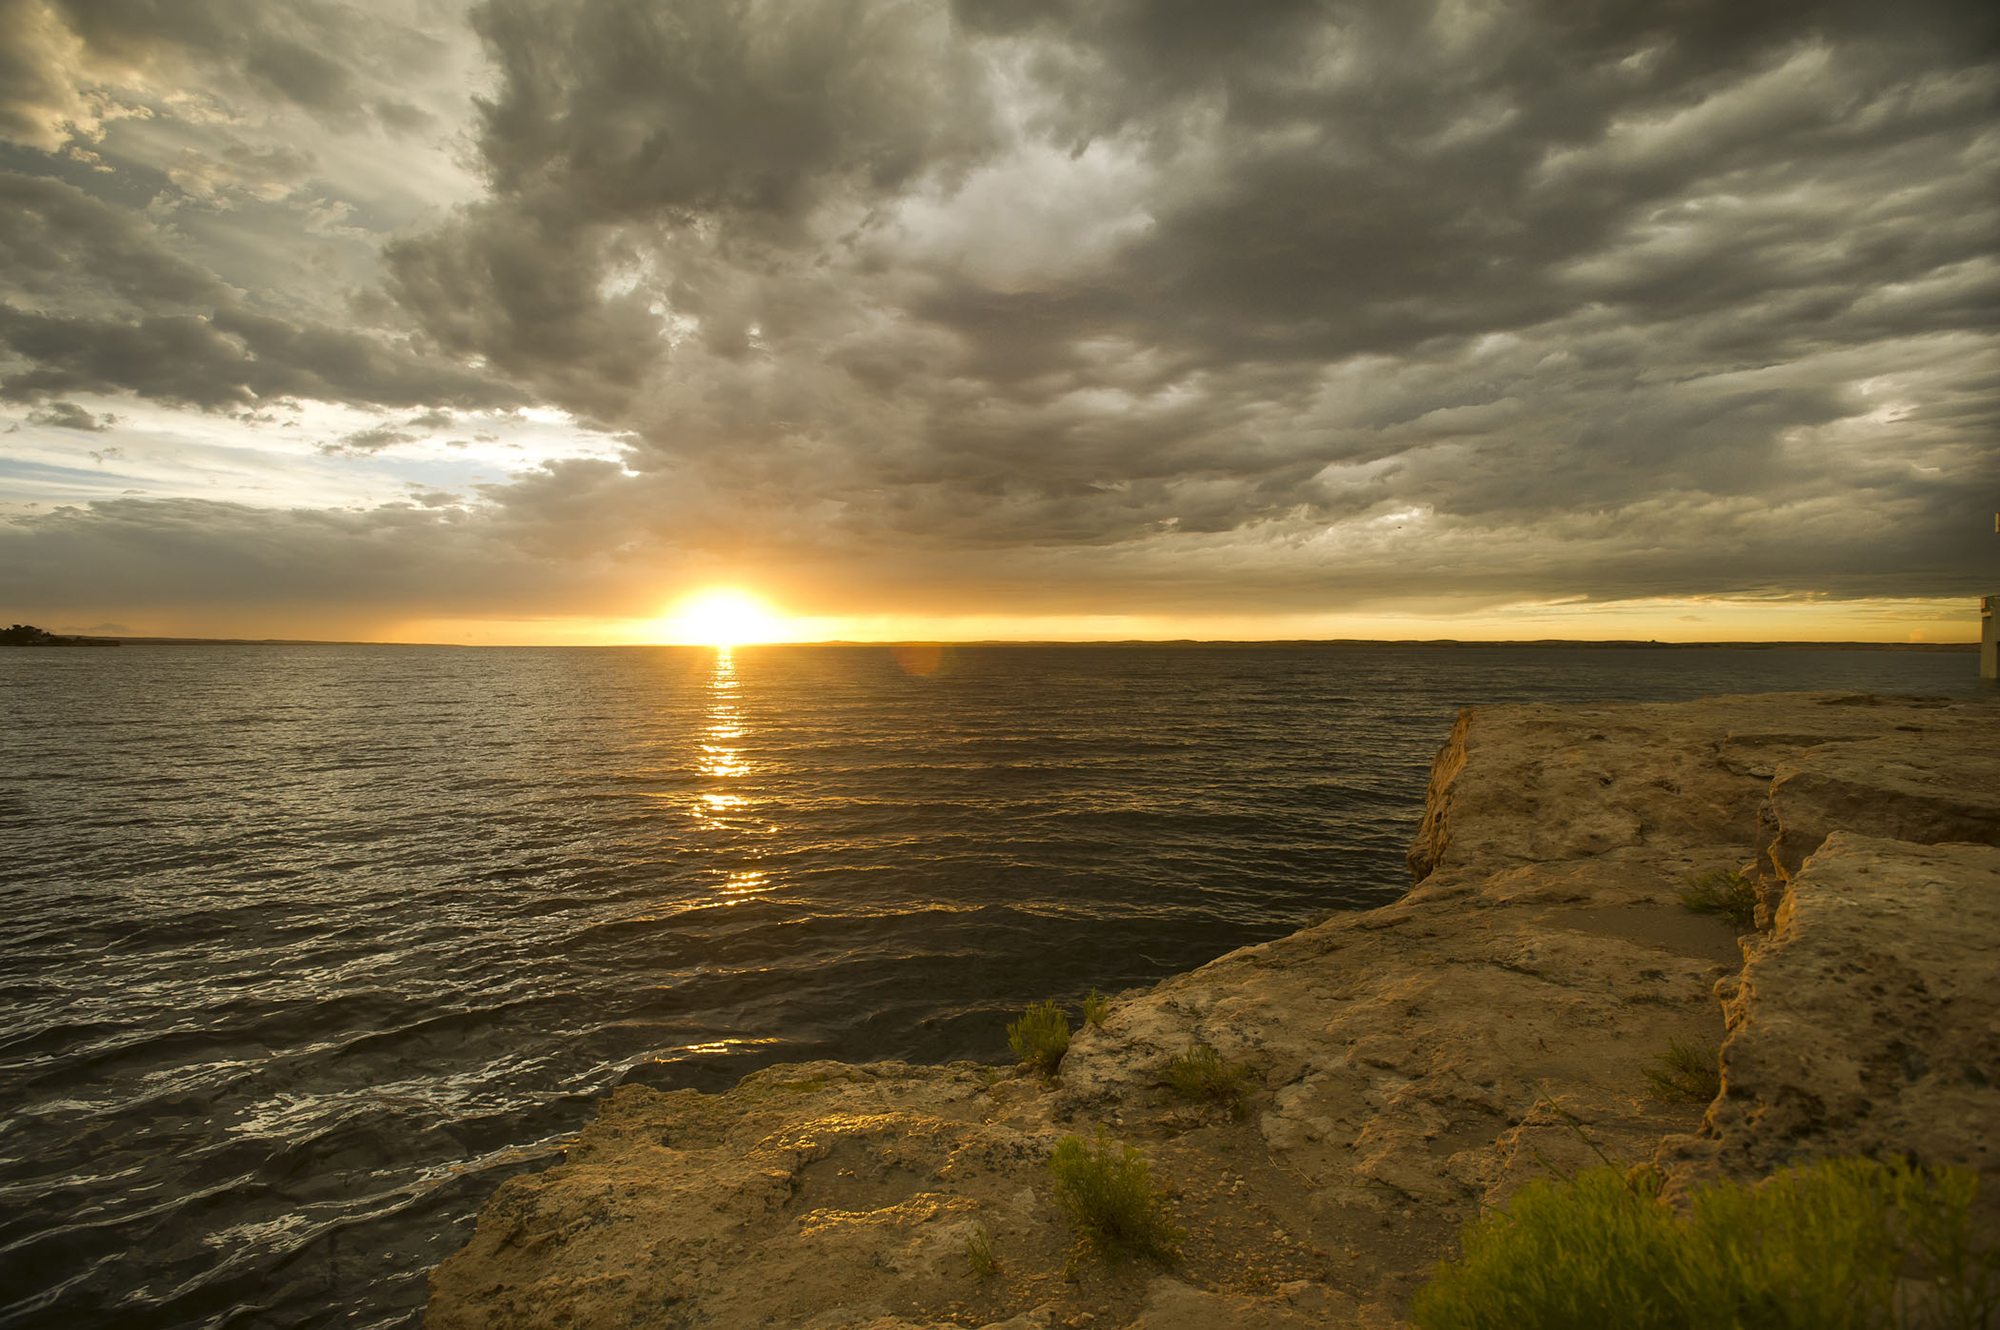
[[1925, 783], [1867, 1024]]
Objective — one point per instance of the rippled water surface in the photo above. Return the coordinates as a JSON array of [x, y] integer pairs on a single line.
[[303, 950]]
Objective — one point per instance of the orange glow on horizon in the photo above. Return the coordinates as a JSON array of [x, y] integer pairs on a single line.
[[1690, 619]]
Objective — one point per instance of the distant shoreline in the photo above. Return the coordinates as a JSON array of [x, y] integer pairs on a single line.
[[1371, 643]]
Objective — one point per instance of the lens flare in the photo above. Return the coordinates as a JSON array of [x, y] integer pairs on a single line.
[[921, 659]]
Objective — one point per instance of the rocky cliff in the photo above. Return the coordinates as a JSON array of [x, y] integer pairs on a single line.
[[1409, 1064]]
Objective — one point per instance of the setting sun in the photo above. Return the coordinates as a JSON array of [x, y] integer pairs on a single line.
[[723, 617]]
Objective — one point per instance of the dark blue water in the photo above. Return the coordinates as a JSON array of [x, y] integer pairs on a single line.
[[303, 950]]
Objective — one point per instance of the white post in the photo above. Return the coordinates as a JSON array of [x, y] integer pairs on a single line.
[[1989, 637]]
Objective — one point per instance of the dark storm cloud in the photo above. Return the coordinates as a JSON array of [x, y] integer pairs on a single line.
[[524, 295], [661, 118], [95, 302], [1379, 185], [746, 106], [1493, 264], [59, 244]]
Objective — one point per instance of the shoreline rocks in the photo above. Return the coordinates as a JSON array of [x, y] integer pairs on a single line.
[[1408, 1065]]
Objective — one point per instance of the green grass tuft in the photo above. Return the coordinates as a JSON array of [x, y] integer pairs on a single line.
[[1095, 1008], [1726, 894], [1815, 1248], [1203, 1073], [979, 1252], [1041, 1037], [1690, 1073], [1108, 1196]]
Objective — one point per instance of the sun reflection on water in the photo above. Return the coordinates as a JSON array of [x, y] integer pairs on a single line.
[[720, 757]]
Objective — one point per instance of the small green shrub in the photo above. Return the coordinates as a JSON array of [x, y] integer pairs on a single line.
[[1817, 1248], [1203, 1073], [1095, 1008], [1041, 1037], [1110, 1201], [979, 1251], [1691, 1073], [1726, 894]]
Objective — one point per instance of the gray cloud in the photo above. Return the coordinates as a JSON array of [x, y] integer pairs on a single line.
[[38, 96], [60, 246], [621, 130], [95, 301], [199, 553], [69, 63], [68, 415], [332, 571], [1543, 243], [232, 358], [748, 106], [369, 440], [529, 301]]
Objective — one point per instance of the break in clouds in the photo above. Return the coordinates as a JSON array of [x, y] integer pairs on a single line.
[[1012, 306]]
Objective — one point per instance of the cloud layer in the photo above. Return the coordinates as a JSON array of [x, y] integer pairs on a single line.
[[1068, 307]]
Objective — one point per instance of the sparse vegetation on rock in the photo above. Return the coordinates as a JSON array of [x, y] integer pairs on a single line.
[[1726, 894], [1815, 1248], [1095, 1008], [1689, 1073], [979, 1253], [1203, 1073], [1107, 1193], [1041, 1037]]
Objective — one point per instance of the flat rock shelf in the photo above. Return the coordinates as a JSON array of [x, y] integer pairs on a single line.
[[1409, 1064]]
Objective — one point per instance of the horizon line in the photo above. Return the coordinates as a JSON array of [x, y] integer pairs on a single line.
[[1971, 644]]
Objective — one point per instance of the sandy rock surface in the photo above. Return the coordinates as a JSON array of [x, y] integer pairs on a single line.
[[1407, 1064], [1867, 1023]]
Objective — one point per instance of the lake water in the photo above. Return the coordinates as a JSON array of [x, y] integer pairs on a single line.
[[304, 950]]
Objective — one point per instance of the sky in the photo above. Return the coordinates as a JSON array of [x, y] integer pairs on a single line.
[[526, 320]]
